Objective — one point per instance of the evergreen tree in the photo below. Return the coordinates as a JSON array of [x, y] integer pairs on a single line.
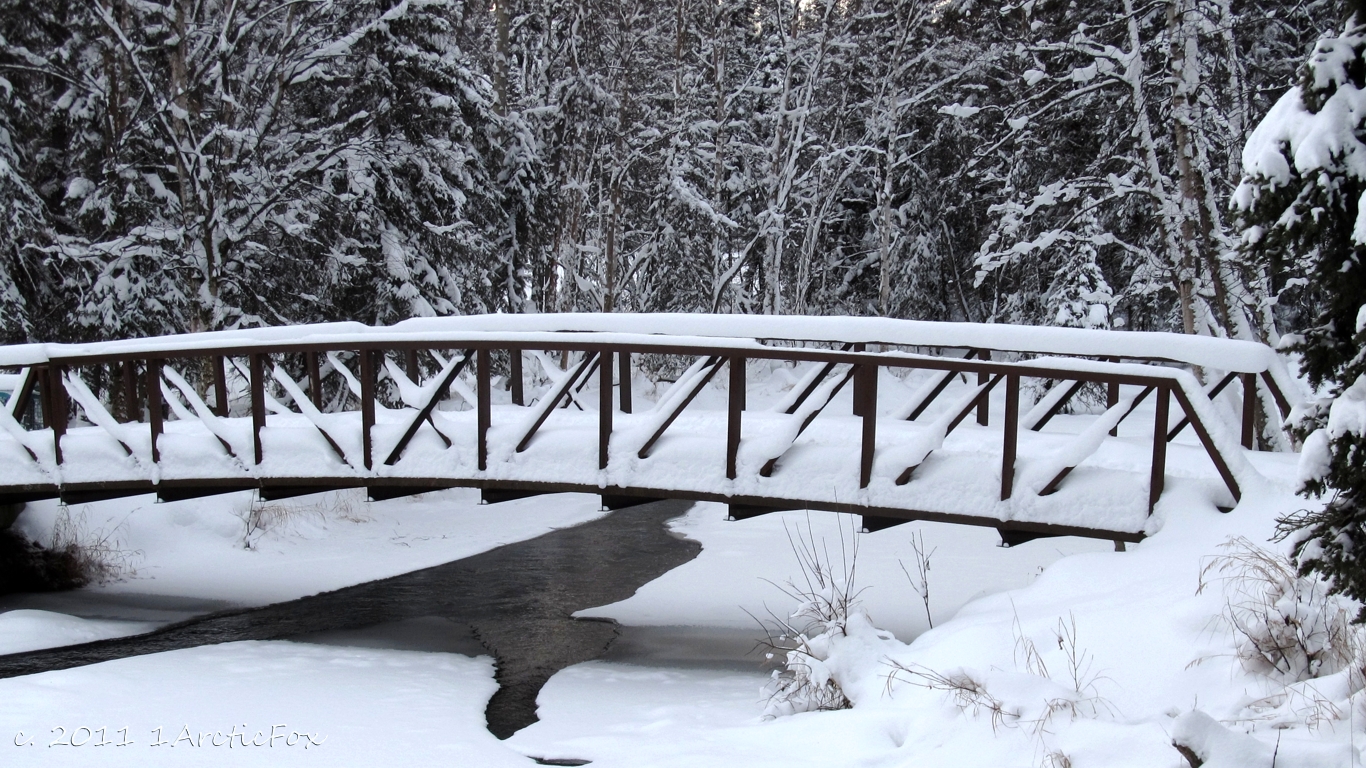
[[1301, 198], [1079, 296]]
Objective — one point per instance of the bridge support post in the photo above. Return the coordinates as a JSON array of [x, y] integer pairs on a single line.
[[220, 386], [734, 412], [1011, 431], [131, 411], [315, 381], [1159, 470], [983, 404], [483, 393], [865, 400], [1249, 410], [605, 406], [154, 415], [54, 406], [257, 372], [1112, 396], [624, 376], [515, 384], [367, 406]]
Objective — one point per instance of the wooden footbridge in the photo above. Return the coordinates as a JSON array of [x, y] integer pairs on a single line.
[[889, 419]]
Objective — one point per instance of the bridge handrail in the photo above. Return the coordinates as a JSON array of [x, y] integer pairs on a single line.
[[49, 366], [689, 330]]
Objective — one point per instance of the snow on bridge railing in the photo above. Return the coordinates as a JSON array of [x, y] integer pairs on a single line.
[[54, 372], [1203, 351]]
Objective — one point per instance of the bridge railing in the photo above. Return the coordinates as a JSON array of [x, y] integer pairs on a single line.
[[211, 377]]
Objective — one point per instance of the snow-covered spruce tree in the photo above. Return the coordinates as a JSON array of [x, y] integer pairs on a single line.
[[1304, 196], [1079, 296]]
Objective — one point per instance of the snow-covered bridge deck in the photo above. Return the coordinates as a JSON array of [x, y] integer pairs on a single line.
[[931, 425]]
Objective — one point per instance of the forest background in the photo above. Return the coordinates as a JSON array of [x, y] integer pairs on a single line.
[[207, 164]]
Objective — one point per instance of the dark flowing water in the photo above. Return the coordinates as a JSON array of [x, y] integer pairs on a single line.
[[514, 602]]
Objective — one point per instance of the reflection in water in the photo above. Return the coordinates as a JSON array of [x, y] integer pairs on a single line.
[[514, 602]]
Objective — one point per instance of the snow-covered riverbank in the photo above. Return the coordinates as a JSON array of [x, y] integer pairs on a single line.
[[682, 690]]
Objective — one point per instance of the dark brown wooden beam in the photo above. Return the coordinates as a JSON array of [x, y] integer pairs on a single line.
[[182, 492], [1052, 485], [1211, 394], [500, 495], [615, 502], [1282, 404], [315, 379], [987, 386], [425, 413], [59, 413], [605, 407], [735, 407], [367, 406], [865, 395], [281, 492], [816, 382], [154, 406], [1010, 430], [552, 399], [709, 369], [386, 492], [220, 386], [131, 410], [983, 402], [1112, 397], [1057, 407], [624, 377], [945, 379], [484, 395], [772, 464], [908, 472], [743, 511], [1249, 410], [515, 382], [1158, 477], [1208, 441], [873, 523]]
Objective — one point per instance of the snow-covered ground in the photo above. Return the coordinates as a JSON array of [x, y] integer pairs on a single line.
[[1140, 649]]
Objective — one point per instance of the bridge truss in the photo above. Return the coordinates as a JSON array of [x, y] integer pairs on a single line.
[[440, 403]]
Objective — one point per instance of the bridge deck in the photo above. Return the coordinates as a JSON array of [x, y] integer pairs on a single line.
[[765, 447]]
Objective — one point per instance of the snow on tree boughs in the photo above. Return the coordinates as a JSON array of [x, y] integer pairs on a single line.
[[1302, 198]]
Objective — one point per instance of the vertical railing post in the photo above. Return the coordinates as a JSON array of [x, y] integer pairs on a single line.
[[865, 396], [1159, 470], [54, 407], [624, 376], [220, 386], [1112, 396], [315, 380], [1249, 410], [734, 412], [1011, 431], [131, 411], [367, 406], [984, 404], [857, 399], [484, 391], [256, 365], [411, 367], [605, 405], [515, 376], [154, 405]]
